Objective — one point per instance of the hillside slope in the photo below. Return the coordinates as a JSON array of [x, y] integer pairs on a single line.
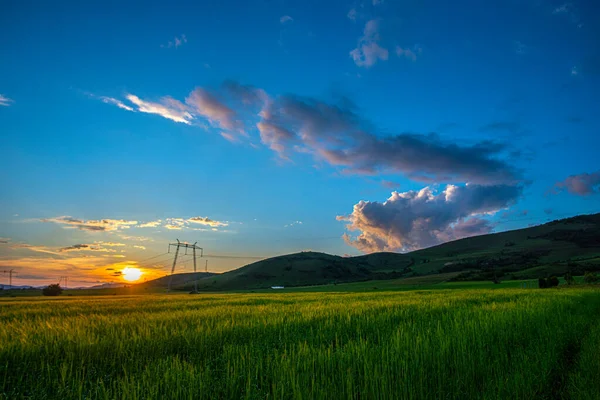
[[550, 249], [178, 280]]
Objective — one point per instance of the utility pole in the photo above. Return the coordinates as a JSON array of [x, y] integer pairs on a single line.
[[10, 274], [186, 246], [206, 266]]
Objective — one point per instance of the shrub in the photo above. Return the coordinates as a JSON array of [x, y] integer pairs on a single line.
[[553, 281], [542, 283], [52, 290]]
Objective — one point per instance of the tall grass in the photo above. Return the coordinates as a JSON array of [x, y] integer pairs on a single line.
[[409, 345]]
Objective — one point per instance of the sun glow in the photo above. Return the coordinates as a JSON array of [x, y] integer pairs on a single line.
[[131, 274]]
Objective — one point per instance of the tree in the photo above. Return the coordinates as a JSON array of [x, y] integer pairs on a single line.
[[542, 283], [52, 290], [553, 281], [569, 279], [590, 277]]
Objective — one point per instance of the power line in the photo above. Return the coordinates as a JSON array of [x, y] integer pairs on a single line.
[[231, 256]]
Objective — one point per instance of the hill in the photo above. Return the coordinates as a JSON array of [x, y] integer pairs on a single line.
[[571, 244], [179, 280]]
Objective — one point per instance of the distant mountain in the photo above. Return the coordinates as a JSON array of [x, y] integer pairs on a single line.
[[107, 286], [550, 249], [19, 287]]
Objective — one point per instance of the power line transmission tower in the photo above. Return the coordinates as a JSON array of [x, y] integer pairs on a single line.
[[65, 279], [186, 246], [10, 274], [206, 266]]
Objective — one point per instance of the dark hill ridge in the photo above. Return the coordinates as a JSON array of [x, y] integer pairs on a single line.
[[539, 251], [178, 280]]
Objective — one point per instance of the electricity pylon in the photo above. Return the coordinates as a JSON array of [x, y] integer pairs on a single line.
[[186, 246], [10, 274]]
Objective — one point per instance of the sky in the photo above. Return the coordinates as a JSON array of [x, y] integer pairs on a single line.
[[260, 128]]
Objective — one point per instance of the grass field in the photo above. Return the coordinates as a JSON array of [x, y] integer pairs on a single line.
[[454, 344]]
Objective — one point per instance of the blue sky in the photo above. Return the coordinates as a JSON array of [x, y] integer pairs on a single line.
[[266, 127]]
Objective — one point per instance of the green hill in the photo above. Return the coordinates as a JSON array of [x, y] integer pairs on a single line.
[[550, 249], [178, 280]]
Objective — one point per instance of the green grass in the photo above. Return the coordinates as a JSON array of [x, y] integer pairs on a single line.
[[455, 344]]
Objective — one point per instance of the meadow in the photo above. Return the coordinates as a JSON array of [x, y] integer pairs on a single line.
[[426, 344]]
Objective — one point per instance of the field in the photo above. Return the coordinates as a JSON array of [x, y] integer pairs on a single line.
[[504, 343]]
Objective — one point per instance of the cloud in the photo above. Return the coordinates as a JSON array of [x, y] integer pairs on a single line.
[[292, 224], [582, 184], [389, 184], [215, 111], [91, 225], [410, 54], [207, 221], [151, 224], [4, 240], [136, 238], [574, 71], [168, 108], [368, 51], [229, 137], [416, 219], [520, 47], [115, 102], [248, 95], [569, 10], [109, 244], [85, 247], [352, 14], [286, 19], [34, 248], [176, 42], [337, 135], [139, 247], [562, 9], [175, 223], [5, 101]]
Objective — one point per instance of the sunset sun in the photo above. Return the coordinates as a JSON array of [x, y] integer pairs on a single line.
[[131, 274]]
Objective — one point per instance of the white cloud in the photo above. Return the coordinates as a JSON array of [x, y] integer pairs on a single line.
[[176, 42], [417, 219], [151, 224], [565, 8], [168, 108], [207, 221], [286, 19], [368, 50], [5, 101], [520, 47], [292, 224], [352, 14], [118, 103], [411, 54], [91, 225]]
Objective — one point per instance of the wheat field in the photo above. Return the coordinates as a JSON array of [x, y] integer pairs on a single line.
[[491, 344]]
